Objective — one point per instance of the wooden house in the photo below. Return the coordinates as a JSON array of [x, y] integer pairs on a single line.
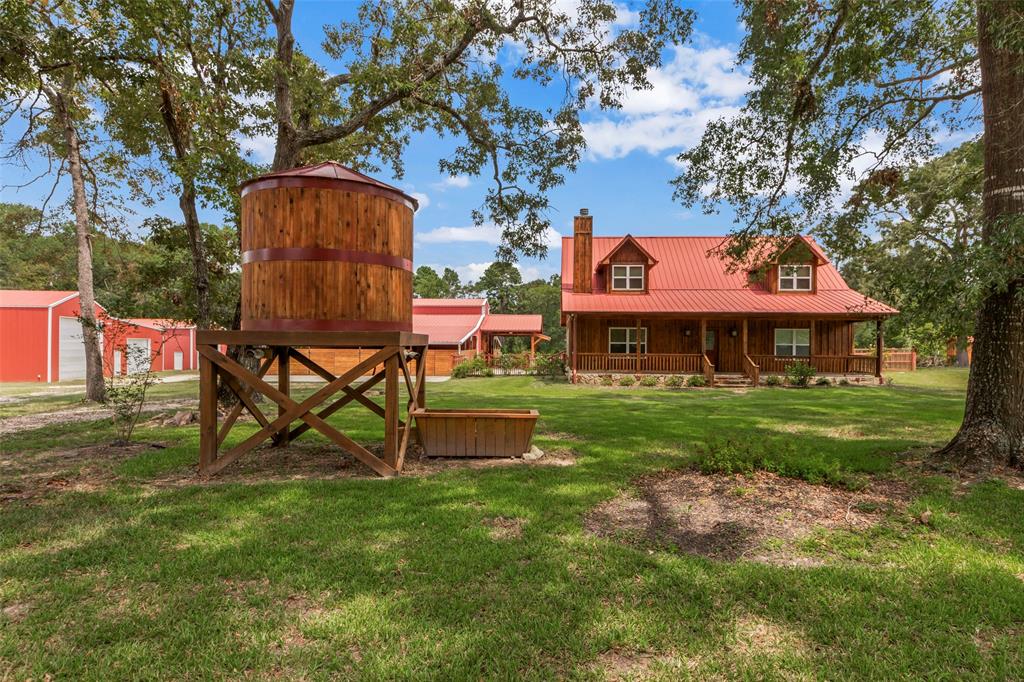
[[673, 305]]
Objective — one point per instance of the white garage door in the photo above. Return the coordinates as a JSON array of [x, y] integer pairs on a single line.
[[71, 353], [139, 359]]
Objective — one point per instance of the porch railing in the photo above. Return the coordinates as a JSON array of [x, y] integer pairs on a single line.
[[826, 364], [709, 370], [752, 370], [655, 363]]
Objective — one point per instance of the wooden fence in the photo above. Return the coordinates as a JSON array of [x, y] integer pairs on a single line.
[[893, 359]]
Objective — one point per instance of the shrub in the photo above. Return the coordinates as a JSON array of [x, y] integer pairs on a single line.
[[674, 381], [627, 381], [800, 373], [649, 381], [508, 361], [773, 380], [607, 380], [823, 381], [696, 380], [844, 382], [727, 456], [471, 368], [126, 394], [550, 365]]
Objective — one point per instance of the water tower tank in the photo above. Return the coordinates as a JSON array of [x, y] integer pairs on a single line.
[[325, 248]]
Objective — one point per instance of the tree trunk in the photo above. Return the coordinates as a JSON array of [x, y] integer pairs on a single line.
[[287, 149], [993, 428], [200, 268], [181, 141], [95, 389]]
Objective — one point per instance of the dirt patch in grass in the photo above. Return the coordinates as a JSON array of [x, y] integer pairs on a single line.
[[505, 528], [321, 461], [758, 517], [15, 612], [29, 475], [87, 413]]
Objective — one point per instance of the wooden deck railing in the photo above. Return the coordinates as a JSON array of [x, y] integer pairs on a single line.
[[752, 370], [655, 363], [709, 370], [826, 364]]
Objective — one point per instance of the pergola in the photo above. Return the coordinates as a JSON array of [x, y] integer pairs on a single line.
[[527, 326]]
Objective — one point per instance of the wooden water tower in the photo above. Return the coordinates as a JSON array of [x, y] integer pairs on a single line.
[[326, 263]]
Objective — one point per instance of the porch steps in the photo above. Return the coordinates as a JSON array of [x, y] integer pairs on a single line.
[[733, 381]]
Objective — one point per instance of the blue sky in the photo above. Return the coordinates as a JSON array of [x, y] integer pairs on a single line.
[[623, 180]]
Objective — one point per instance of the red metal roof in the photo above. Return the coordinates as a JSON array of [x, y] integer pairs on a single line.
[[445, 329], [514, 324], [689, 280], [32, 298], [448, 303], [332, 170], [448, 321]]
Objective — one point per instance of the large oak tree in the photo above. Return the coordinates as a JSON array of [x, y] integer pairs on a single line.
[[848, 88], [418, 65]]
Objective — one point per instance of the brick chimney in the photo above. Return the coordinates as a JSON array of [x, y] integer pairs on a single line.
[[582, 252]]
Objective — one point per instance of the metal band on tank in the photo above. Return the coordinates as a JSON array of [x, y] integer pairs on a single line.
[[320, 254]]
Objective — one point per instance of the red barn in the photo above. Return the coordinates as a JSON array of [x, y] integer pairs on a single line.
[[169, 345], [41, 335]]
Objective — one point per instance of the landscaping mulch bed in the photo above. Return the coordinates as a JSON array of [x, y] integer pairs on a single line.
[[757, 517]]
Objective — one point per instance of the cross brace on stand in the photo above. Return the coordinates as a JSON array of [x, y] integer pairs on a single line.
[[396, 350]]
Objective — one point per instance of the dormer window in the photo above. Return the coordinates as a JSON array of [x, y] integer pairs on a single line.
[[795, 277], [627, 278]]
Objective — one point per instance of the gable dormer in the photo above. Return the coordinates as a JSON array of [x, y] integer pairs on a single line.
[[795, 269], [627, 267]]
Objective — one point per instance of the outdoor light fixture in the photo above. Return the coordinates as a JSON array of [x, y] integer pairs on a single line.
[[686, 332], [733, 332]]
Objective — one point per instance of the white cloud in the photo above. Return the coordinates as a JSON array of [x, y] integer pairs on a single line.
[[486, 234], [695, 86], [614, 138], [422, 198], [453, 181], [471, 272], [260, 147]]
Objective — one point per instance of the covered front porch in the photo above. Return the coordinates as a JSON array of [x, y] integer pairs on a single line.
[[750, 346]]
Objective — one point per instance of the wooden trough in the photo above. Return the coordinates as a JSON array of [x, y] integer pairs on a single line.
[[475, 433]]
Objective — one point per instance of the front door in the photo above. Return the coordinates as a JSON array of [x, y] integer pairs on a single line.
[[710, 347]]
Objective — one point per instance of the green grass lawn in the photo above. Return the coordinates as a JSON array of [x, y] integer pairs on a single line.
[[401, 578]]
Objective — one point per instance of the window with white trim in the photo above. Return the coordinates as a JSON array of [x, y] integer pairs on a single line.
[[627, 278], [623, 339], [795, 277], [790, 342]]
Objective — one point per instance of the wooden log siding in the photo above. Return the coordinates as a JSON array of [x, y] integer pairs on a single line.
[[439, 361], [672, 351]]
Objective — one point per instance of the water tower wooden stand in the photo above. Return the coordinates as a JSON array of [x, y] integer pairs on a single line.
[[397, 352], [326, 263]]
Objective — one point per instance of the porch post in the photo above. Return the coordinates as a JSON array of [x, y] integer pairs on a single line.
[[637, 368], [879, 349], [533, 348], [703, 336], [744, 336], [572, 346]]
